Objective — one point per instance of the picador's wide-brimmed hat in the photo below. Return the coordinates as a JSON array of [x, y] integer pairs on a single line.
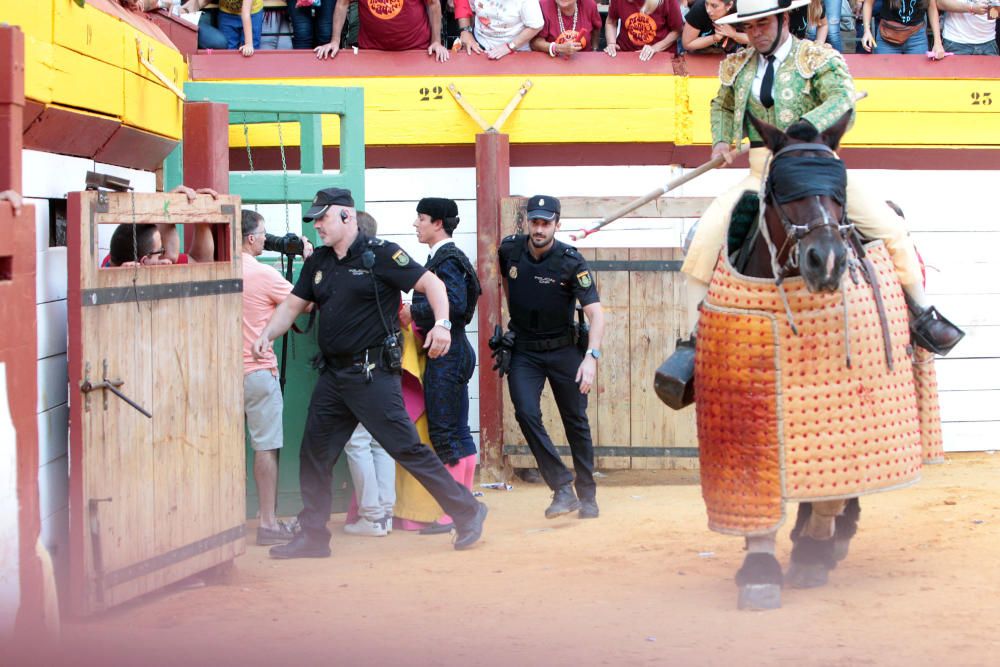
[[748, 10]]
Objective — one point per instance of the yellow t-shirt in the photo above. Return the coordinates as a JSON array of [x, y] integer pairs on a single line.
[[236, 6]]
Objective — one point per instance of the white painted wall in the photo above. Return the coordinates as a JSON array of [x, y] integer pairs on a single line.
[[10, 584], [47, 178], [957, 235]]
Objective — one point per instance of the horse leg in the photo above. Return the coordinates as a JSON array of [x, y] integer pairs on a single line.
[[846, 528], [759, 579], [813, 544]]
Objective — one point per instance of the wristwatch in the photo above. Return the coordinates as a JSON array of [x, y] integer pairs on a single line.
[[467, 28], [596, 354], [444, 323], [512, 45]]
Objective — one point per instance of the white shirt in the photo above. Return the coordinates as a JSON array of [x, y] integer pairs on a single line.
[[440, 244], [968, 28], [499, 21], [779, 57]]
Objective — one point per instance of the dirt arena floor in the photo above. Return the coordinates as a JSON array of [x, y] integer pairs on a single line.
[[647, 583]]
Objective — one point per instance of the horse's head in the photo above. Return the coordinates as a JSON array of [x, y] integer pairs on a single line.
[[805, 201]]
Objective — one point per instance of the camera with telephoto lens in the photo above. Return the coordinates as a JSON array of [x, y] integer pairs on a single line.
[[289, 244]]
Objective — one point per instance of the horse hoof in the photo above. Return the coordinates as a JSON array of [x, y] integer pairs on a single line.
[[840, 548], [759, 597], [807, 575]]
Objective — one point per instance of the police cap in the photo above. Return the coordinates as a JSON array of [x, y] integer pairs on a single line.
[[325, 199], [543, 207]]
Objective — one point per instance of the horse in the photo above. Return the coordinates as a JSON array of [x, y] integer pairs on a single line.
[[800, 251]]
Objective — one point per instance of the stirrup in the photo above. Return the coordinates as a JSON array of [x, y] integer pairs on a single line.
[[674, 380], [921, 330]]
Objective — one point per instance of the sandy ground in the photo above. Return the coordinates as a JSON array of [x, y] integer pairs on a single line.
[[647, 583]]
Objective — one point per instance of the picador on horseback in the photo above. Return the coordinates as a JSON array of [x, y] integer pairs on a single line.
[[804, 383]]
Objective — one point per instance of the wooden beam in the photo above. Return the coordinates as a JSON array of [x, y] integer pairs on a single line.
[[206, 158], [11, 107], [492, 185], [18, 340]]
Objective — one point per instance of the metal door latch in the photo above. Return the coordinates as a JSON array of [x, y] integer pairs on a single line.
[[111, 385]]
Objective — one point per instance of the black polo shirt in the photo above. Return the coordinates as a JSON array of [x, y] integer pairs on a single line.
[[349, 321], [542, 293]]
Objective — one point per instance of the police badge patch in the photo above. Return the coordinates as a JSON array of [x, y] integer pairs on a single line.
[[512, 272], [318, 277], [584, 279], [401, 258]]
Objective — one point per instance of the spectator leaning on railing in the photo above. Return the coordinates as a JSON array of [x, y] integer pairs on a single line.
[[701, 33], [647, 26], [312, 23], [570, 26], [809, 22], [968, 29], [390, 25], [903, 28], [501, 26], [240, 22]]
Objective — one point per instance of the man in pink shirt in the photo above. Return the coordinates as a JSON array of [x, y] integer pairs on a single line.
[[263, 290]]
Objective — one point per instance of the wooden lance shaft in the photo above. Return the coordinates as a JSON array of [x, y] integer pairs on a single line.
[[714, 163]]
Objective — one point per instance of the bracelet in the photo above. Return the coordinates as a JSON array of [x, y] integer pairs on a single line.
[[552, 47]]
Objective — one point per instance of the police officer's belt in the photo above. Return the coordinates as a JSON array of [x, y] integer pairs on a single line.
[[545, 344], [347, 360]]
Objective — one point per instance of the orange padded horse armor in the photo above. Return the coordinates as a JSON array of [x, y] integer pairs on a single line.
[[782, 417]]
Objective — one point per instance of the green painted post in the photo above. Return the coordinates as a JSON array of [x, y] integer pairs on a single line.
[[254, 104]]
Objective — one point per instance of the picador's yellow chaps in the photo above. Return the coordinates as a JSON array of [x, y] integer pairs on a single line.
[[783, 417]]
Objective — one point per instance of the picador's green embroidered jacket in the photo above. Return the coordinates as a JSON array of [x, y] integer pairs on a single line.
[[812, 83]]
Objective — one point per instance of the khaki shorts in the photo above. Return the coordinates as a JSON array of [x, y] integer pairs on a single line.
[[262, 405]]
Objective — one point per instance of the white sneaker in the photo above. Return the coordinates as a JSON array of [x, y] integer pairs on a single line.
[[365, 528]]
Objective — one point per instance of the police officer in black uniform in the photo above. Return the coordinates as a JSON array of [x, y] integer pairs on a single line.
[[543, 279], [355, 281], [446, 379]]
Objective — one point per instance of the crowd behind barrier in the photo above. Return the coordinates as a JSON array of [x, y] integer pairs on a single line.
[[560, 28]]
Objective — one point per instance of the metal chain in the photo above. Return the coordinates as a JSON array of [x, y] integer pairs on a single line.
[[284, 171], [246, 141], [135, 253]]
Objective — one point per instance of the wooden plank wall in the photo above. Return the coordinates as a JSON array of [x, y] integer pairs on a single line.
[[646, 313], [176, 479]]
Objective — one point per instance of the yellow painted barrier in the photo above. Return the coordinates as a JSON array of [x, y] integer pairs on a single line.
[[81, 58], [635, 109]]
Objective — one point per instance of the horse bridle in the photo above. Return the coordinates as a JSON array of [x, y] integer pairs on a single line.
[[799, 232]]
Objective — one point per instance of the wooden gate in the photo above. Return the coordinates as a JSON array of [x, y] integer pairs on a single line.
[[642, 293], [153, 499]]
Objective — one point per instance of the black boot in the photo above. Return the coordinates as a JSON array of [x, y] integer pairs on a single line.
[[468, 533], [302, 546], [932, 331], [589, 509], [564, 501]]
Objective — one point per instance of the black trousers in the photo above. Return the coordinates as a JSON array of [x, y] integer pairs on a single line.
[[341, 399], [528, 373], [446, 395]]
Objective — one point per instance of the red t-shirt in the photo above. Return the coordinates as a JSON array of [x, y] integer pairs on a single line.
[[638, 30], [393, 25], [588, 19]]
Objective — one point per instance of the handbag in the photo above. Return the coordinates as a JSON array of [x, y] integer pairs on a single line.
[[897, 33]]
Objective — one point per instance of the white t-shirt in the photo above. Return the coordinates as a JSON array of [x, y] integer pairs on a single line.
[[499, 21], [968, 28]]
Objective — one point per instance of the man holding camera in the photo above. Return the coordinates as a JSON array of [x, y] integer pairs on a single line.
[[263, 290], [543, 279], [356, 283]]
